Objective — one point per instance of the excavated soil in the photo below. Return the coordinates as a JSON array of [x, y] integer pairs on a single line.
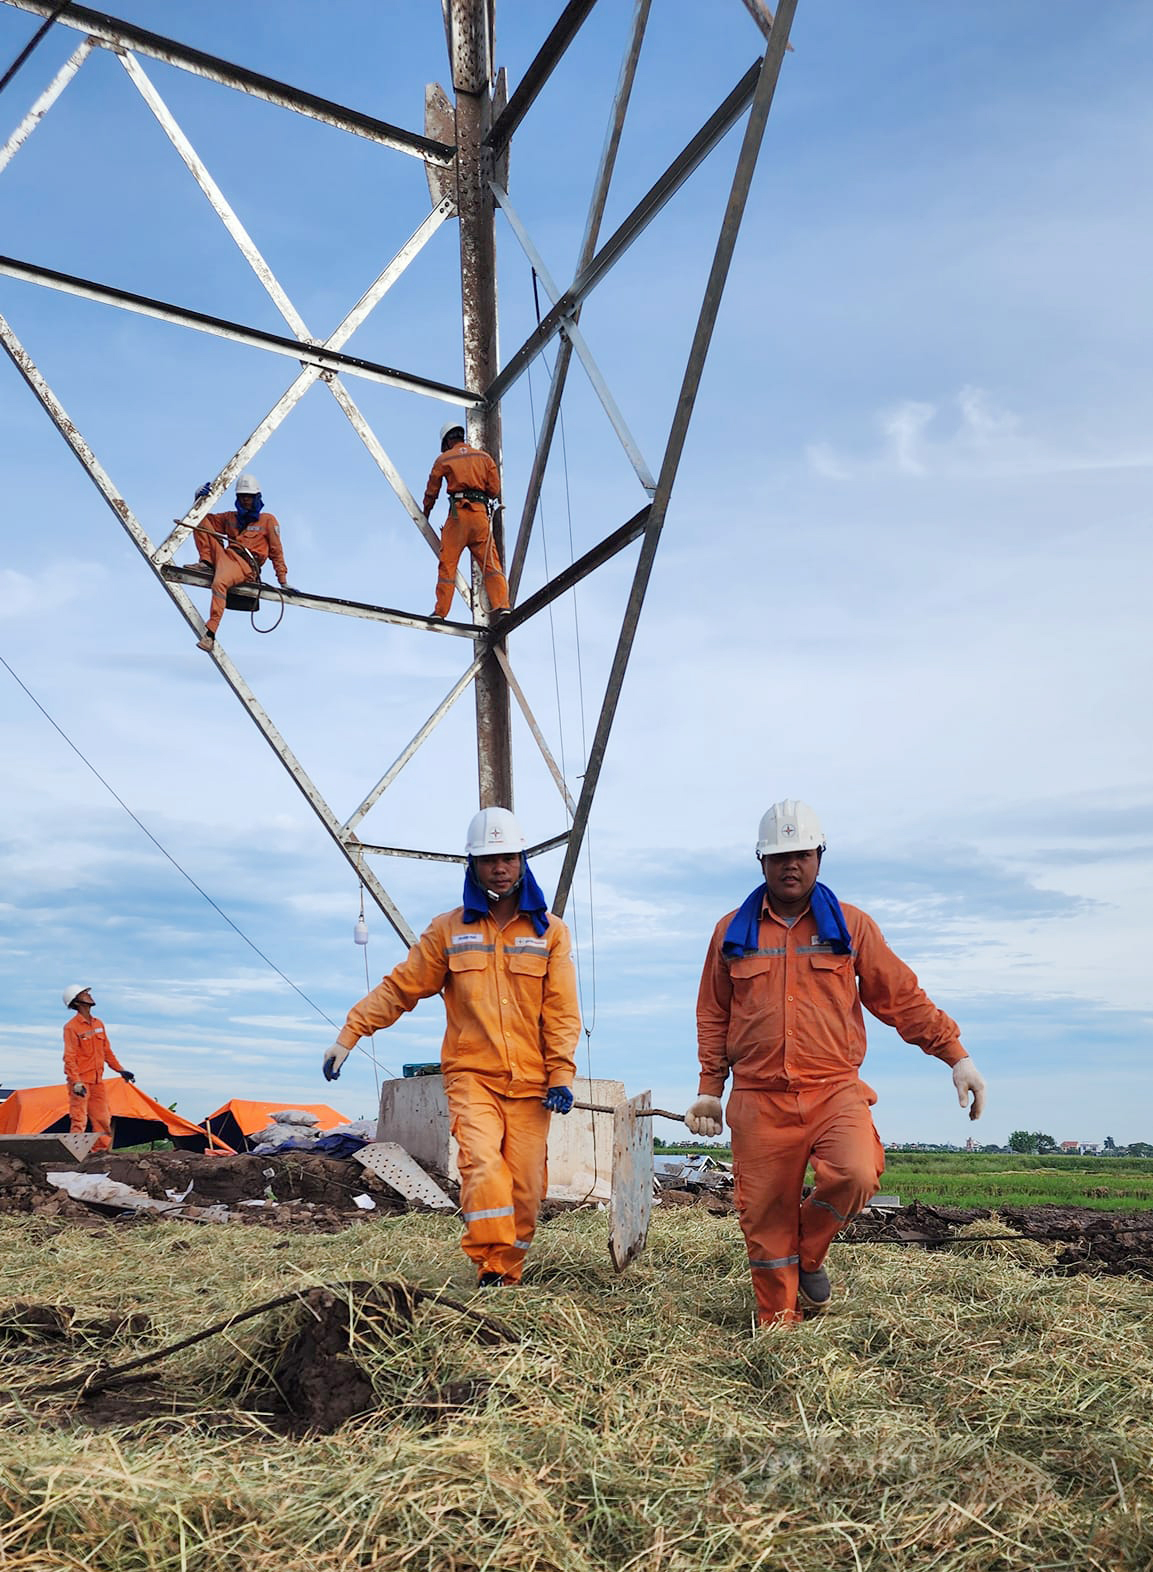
[[299, 1190], [309, 1193], [1111, 1244]]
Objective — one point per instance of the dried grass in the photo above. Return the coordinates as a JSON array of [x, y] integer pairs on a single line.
[[953, 1412]]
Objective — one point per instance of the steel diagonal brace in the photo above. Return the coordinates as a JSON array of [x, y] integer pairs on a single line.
[[44, 103], [657, 197], [573, 333], [407, 752], [530, 720], [98, 475]]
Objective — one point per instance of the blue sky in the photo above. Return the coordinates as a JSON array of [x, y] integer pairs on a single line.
[[905, 573]]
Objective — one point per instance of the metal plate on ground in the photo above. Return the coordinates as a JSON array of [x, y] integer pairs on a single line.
[[632, 1202], [389, 1161], [48, 1148]]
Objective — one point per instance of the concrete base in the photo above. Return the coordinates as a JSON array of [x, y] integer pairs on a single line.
[[414, 1113], [48, 1148]]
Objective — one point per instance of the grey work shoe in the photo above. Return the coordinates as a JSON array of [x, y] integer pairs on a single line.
[[814, 1292], [199, 567], [208, 642]]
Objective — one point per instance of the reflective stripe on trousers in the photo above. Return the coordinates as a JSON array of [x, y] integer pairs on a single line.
[[775, 1136], [503, 1171]]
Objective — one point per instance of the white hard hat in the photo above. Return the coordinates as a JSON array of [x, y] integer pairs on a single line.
[[247, 485], [451, 425], [789, 825], [494, 831], [72, 991]]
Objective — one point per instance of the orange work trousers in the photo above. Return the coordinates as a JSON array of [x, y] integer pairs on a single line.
[[503, 1171], [468, 525], [775, 1136], [228, 570], [92, 1107]]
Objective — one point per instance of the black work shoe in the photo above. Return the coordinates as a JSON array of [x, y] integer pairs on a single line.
[[490, 1280], [814, 1291]]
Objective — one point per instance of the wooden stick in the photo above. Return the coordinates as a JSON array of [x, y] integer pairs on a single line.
[[641, 1113]]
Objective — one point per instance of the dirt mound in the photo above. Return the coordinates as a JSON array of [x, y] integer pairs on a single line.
[[297, 1190], [1108, 1243], [23, 1188]]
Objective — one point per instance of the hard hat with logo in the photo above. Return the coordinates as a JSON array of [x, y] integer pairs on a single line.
[[494, 832], [451, 425], [72, 993], [247, 485], [788, 826]]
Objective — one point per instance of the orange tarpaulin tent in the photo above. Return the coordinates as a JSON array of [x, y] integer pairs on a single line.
[[239, 1118], [38, 1110]]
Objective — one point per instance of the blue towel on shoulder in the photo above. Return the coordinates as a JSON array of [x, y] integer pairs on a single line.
[[532, 902], [742, 933]]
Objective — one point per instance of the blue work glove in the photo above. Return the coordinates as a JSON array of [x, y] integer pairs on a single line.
[[559, 1099], [127, 1075], [205, 491], [334, 1058]]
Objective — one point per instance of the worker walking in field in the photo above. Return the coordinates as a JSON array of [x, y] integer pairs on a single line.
[[779, 1006], [86, 1052], [473, 485], [233, 547], [504, 966]]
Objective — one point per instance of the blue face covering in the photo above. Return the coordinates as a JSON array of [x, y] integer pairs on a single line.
[[742, 933], [245, 517], [532, 902]]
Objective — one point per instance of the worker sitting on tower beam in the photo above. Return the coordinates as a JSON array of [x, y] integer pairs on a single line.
[[473, 484], [503, 964], [233, 547]]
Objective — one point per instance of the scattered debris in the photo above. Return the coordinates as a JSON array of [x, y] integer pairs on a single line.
[[403, 1173]]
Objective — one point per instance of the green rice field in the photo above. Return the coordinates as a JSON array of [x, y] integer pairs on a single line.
[[1109, 1184]]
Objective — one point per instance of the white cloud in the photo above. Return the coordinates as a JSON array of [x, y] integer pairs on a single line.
[[968, 437]]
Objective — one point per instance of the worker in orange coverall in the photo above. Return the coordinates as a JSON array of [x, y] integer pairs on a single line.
[[233, 547], [473, 486], [779, 1005], [504, 965], [86, 1052]]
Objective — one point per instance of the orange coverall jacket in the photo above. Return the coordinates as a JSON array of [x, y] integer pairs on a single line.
[[262, 539], [87, 1050], [789, 1017], [510, 998], [462, 469]]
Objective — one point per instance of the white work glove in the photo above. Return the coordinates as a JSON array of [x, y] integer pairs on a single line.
[[334, 1058], [704, 1117], [79, 1089], [967, 1078]]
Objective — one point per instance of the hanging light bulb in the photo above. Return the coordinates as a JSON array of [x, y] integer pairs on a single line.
[[360, 932]]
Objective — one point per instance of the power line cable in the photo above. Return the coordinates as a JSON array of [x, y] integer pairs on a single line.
[[111, 790]]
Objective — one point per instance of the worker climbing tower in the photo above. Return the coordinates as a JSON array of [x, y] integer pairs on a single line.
[[465, 149]]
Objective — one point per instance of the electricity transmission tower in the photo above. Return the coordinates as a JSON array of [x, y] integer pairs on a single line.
[[465, 151]]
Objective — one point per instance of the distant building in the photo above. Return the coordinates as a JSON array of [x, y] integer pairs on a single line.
[[1071, 1146]]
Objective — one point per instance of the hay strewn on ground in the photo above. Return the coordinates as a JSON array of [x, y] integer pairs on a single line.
[[957, 1412]]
